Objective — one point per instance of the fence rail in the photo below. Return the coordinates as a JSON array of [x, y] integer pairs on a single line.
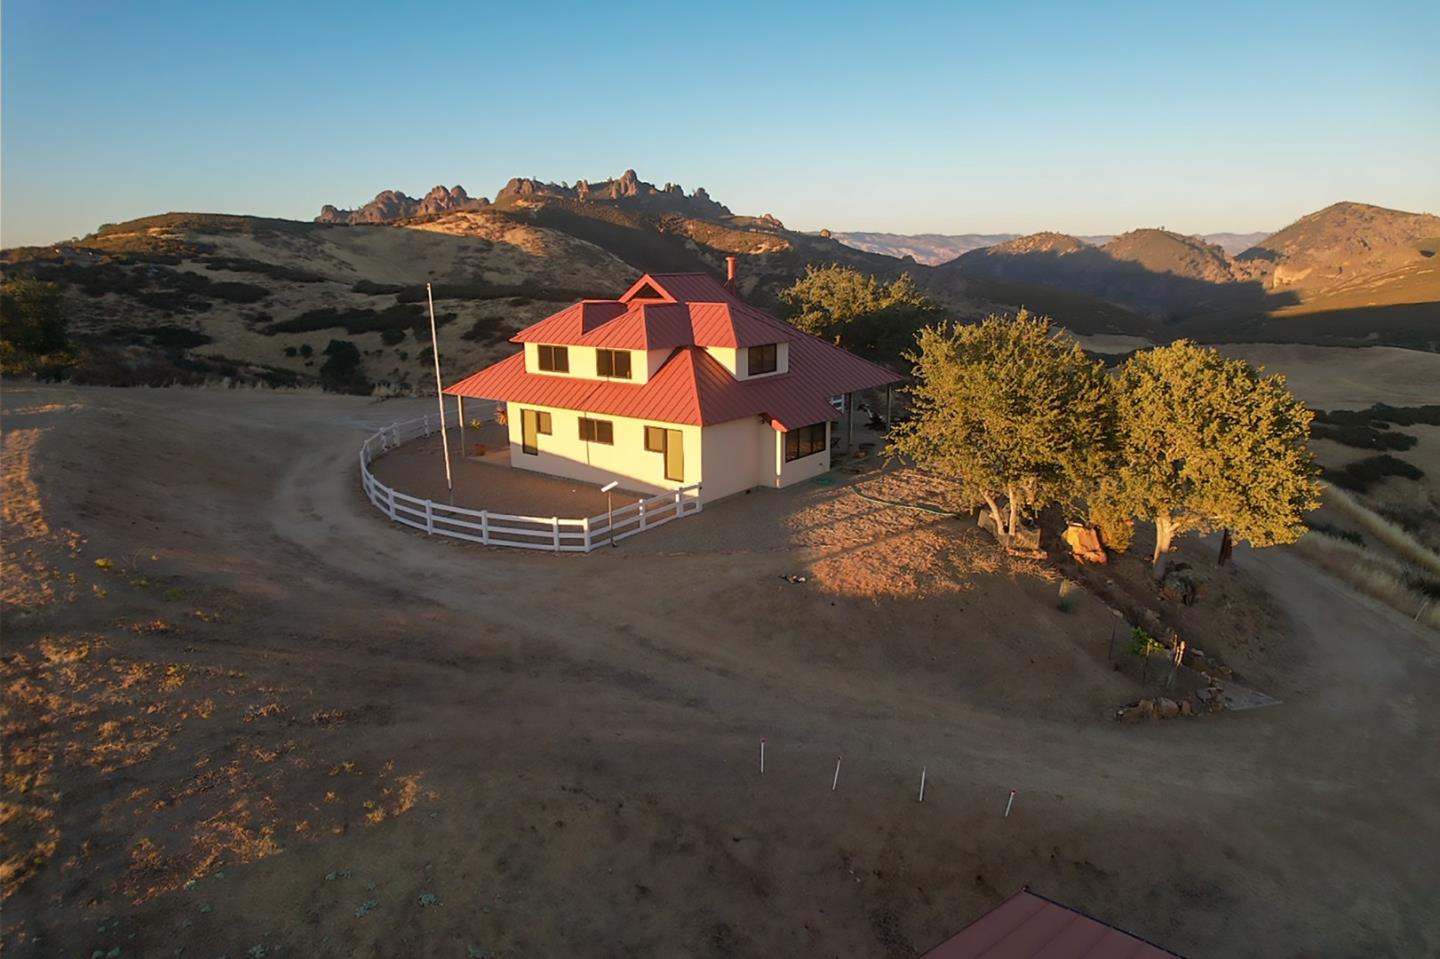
[[557, 534]]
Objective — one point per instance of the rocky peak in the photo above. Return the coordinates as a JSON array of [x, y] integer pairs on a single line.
[[391, 205], [626, 190]]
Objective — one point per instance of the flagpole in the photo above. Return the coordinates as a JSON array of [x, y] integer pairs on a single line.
[[439, 391]]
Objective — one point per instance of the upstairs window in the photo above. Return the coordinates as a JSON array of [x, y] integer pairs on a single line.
[[613, 363], [806, 441], [555, 359], [597, 431], [762, 359]]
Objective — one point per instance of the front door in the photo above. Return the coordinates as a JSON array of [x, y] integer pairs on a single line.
[[675, 456], [670, 444], [529, 429]]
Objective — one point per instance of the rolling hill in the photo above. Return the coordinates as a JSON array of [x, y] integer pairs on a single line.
[[191, 296], [1348, 274], [339, 301]]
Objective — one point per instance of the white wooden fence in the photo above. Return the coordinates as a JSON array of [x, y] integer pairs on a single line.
[[555, 533]]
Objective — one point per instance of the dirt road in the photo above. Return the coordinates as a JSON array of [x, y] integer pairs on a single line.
[[271, 723]]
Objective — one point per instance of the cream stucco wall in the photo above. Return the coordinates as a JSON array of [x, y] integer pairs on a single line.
[[583, 364], [737, 361], [564, 453], [725, 458], [737, 456]]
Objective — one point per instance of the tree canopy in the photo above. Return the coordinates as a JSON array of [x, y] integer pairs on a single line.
[[1010, 409], [1207, 442], [857, 309]]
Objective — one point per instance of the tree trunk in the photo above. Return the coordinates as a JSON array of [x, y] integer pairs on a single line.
[[1164, 534], [999, 520], [1014, 512], [1226, 546]]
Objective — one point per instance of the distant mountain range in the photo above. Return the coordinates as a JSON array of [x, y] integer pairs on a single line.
[[932, 249], [186, 294]]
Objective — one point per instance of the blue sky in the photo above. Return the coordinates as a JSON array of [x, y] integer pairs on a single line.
[[953, 117]]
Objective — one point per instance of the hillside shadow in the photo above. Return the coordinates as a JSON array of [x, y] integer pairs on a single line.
[[627, 236], [1168, 297], [1408, 325]]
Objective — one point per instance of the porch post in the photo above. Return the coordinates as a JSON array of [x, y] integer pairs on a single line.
[[849, 422], [460, 414], [889, 408]]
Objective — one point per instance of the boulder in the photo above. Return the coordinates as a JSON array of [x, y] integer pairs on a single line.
[[1167, 708]]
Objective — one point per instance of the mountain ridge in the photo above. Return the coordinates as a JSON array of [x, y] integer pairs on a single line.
[[935, 249], [169, 297]]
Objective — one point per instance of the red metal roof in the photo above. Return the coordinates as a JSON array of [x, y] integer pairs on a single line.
[[1027, 926], [690, 386]]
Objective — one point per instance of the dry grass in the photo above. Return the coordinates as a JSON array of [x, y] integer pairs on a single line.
[[1374, 574], [890, 552], [1397, 538]]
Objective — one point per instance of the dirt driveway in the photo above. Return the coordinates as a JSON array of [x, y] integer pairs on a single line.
[[272, 723]]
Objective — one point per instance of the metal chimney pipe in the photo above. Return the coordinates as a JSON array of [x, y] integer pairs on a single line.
[[730, 273]]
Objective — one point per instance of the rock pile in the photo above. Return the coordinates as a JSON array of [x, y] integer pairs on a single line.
[[1209, 700]]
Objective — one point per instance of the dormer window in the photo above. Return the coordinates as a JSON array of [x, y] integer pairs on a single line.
[[554, 359], [762, 359], [614, 364]]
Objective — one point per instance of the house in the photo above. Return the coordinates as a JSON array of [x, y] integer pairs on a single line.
[[677, 383]]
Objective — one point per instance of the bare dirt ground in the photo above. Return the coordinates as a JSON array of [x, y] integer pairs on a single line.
[[277, 724]]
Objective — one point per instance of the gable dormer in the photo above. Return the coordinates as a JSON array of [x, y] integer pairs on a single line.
[[646, 290]]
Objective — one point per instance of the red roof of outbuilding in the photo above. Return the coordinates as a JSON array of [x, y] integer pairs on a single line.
[[1027, 926], [692, 311]]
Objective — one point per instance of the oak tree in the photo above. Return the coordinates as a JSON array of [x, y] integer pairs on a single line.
[[1207, 442], [857, 309], [1010, 409]]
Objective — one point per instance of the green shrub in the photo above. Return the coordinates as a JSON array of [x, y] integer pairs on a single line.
[[1364, 437], [487, 329], [377, 289], [1335, 532], [1362, 474], [234, 264], [343, 371], [1380, 414], [353, 321]]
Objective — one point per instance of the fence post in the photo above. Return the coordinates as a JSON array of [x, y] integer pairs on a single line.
[[429, 518], [679, 509], [586, 527], [555, 531], [390, 496], [642, 514], [698, 504], [427, 424], [485, 527]]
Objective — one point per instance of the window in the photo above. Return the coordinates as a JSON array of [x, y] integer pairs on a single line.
[[806, 441], [671, 443], [614, 363], [597, 431], [762, 360], [555, 359]]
